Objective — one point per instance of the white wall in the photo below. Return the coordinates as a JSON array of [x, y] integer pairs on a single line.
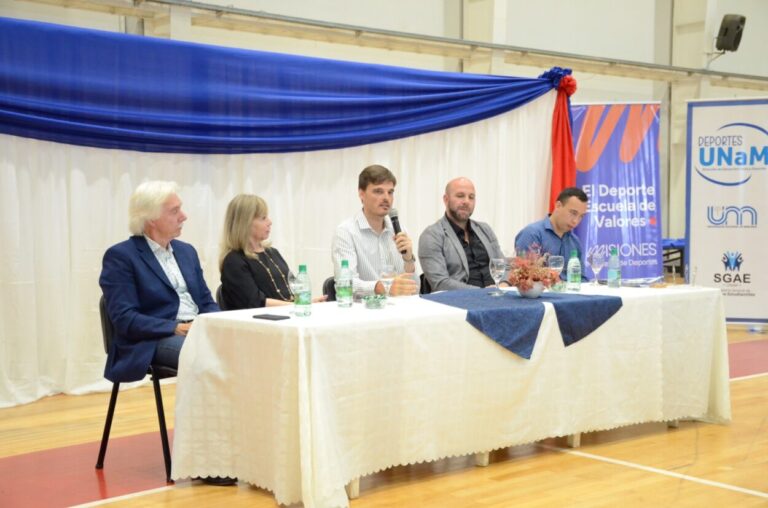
[[61, 15], [601, 28], [427, 17]]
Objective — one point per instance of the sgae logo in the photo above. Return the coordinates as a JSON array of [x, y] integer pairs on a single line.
[[732, 273]]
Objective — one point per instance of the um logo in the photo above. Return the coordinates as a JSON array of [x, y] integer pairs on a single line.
[[732, 216]]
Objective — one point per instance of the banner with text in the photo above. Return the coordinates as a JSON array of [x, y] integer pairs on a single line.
[[617, 165], [726, 188]]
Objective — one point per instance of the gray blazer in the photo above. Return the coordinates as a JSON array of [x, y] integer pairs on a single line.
[[442, 255]]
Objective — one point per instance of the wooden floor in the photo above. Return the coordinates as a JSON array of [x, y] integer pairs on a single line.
[[644, 465]]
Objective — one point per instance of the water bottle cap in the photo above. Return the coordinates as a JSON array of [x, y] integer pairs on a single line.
[[613, 251], [574, 253], [344, 263], [302, 268]]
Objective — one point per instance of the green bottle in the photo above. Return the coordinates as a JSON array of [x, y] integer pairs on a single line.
[[574, 272], [303, 296], [344, 285]]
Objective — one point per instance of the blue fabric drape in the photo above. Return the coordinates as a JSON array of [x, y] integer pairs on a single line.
[[94, 88], [513, 321]]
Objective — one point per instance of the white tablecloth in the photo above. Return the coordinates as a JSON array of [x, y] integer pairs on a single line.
[[303, 406]]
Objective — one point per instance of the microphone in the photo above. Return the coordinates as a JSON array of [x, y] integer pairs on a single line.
[[395, 223]]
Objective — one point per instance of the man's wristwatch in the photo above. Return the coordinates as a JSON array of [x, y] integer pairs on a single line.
[[412, 260]]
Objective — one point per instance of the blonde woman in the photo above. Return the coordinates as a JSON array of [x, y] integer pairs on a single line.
[[252, 273]]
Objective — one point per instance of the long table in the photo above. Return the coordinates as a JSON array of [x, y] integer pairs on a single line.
[[303, 406]]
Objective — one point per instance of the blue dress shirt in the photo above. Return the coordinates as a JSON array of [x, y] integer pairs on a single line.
[[542, 233]]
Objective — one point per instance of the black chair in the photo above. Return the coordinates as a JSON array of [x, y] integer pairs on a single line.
[[157, 372], [329, 289], [425, 288], [220, 299]]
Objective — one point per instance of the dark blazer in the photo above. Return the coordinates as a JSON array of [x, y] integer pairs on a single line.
[[142, 303]]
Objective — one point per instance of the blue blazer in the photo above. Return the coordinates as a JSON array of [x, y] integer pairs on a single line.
[[142, 303]]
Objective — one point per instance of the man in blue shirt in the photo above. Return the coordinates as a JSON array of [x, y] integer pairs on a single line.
[[554, 234]]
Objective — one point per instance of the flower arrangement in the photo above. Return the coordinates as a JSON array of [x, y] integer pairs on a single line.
[[529, 268]]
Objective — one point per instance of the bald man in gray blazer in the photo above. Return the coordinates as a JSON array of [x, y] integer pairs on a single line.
[[455, 252]]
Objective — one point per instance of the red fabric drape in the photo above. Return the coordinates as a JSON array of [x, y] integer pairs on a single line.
[[563, 160]]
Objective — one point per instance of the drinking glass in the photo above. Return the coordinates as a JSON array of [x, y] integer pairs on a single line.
[[596, 263], [498, 267], [556, 264], [387, 276], [293, 284]]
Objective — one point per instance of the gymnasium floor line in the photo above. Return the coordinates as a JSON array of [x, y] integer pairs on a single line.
[[656, 470]]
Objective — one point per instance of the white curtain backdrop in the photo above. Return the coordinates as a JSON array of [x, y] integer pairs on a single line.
[[62, 206]]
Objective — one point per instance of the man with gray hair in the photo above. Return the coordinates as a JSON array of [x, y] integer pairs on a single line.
[[153, 285]]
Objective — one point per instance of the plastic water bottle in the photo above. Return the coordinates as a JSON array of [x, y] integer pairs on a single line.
[[614, 269], [303, 296], [344, 285], [574, 272]]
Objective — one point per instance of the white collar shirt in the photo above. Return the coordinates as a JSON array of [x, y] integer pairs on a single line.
[[187, 307], [366, 251]]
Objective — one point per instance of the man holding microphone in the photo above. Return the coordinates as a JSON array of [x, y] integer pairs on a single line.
[[372, 240]]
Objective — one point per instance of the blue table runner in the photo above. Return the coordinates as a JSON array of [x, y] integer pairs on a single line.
[[513, 321]]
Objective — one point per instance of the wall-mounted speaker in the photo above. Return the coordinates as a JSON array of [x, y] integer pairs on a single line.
[[729, 36]]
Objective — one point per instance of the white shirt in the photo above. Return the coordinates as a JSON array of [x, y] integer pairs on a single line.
[[366, 251], [187, 307]]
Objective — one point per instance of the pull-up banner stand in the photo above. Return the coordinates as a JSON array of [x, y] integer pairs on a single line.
[[727, 186], [617, 165]]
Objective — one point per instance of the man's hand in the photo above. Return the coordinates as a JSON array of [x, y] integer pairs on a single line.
[[182, 329], [403, 243], [404, 285]]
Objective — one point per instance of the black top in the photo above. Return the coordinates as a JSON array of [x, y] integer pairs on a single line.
[[477, 257], [247, 283]]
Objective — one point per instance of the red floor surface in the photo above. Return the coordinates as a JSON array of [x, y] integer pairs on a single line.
[[747, 358], [67, 476]]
